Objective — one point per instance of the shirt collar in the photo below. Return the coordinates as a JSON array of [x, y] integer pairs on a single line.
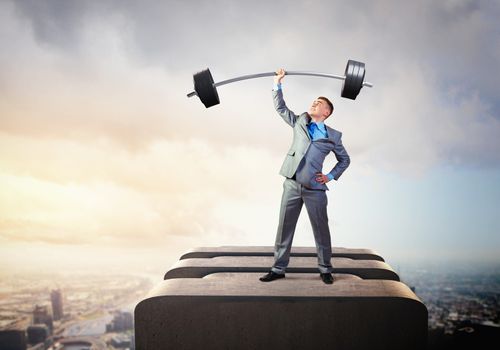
[[321, 125]]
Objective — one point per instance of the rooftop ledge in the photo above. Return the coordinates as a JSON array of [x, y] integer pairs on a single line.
[[200, 267], [219, 303], [339, 252]]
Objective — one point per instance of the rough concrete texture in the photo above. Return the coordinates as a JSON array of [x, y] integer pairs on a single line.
[[219, 303], [339, 252], [199, 267]]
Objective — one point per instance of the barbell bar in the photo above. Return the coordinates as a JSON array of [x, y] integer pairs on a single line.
[[206, 89]]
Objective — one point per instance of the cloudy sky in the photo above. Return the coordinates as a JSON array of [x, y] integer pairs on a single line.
[[104, 161]]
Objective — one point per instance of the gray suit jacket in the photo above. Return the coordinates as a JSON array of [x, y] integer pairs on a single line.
[[305, 157]]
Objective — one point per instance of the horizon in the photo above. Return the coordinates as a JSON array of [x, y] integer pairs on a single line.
[[156, 272]]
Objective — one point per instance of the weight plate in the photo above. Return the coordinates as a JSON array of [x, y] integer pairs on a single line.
[[360, 77], [348, 90], [354, 78], [205, 89], [355, 75], [347, 76]]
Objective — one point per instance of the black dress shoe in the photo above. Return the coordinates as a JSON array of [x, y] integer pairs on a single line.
[[271, 276], [327, 277]]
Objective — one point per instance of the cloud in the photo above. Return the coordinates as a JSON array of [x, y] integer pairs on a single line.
[[61, 191], [120, 70], [454, 38]]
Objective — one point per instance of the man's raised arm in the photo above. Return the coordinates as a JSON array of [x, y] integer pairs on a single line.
[[279, 103]]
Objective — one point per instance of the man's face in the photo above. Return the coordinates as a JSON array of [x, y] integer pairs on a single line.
[[319, 109]]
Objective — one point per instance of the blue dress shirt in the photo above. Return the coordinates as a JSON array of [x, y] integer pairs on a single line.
[[316, 130]]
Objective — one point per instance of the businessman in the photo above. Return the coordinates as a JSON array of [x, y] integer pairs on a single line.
[[305, 182]]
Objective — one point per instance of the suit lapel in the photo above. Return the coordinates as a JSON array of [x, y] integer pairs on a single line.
[[303, 124], [330, 132]]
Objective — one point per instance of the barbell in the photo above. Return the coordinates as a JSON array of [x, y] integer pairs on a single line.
[[206, 89]]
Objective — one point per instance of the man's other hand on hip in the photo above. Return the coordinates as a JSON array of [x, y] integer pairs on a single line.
[[321, 178]]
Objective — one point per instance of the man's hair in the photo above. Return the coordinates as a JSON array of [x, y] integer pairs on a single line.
[[329, 103]]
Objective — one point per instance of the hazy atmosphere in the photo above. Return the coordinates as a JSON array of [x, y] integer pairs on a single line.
[[104, 161]]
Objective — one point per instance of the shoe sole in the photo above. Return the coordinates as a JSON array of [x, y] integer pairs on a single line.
[[274, 279]]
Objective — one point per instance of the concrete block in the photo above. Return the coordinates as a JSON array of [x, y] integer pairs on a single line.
[[213, 299], [199, 267], [339, 252], [237, 311]]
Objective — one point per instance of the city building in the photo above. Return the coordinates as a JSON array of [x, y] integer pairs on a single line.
[[13, 339], [41, 315], [37, 333], [73, 343], [122, 341], [57, 304], [122, 321]]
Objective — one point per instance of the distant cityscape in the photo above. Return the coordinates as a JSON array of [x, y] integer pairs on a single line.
[[80, 312], [87, 311], [463, 304]]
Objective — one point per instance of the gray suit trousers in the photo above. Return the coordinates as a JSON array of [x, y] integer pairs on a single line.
[[294, 195]]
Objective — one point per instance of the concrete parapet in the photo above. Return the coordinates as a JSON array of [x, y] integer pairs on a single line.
[[199, 267], [219, 303], [339, 252]]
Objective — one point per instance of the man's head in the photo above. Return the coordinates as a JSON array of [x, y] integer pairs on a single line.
[[321, 109]]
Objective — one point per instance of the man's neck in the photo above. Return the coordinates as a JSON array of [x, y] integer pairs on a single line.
[[318, 120]]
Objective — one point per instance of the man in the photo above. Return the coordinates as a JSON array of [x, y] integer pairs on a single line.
[[305, 182]]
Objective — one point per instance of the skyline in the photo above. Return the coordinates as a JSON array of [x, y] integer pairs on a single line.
[[102, 154]]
